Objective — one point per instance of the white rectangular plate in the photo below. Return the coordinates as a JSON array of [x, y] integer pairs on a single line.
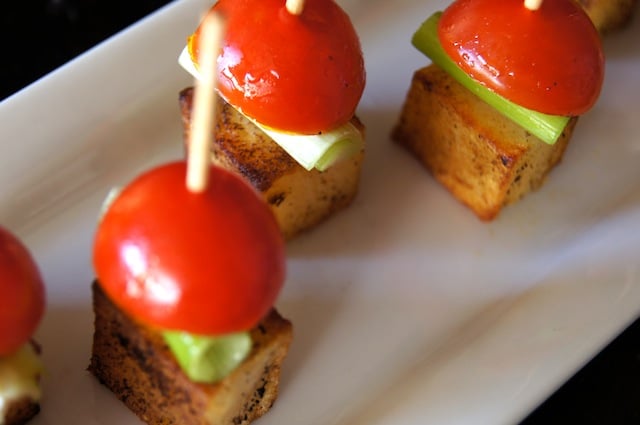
[[407, 309]]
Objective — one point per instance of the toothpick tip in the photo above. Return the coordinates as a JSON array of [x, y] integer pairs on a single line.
[[295, 7], [532, 4]]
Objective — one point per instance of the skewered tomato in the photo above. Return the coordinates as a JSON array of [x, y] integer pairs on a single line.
[[22, 293], [208, 263], [549, 60], [299, 73]]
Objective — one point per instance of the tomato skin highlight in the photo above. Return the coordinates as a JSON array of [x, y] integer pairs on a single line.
[[303, 74], [549, 60], [208, 264], [22, 293]]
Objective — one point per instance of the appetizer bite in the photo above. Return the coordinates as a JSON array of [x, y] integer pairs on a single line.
[[189, 264], [493, 113], [22, 304], [185, 331], [291, 76]]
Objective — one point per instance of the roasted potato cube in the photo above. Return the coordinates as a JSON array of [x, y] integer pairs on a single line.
[[484, 159]]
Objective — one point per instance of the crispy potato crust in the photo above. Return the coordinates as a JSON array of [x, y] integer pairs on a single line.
[[299, 199], [21, 411], [609, 15], [137, 366], [484, 159]]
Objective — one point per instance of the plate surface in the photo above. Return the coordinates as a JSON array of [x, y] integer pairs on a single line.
[[407, 309]]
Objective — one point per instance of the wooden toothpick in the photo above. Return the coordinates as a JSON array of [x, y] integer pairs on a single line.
[[532, 4], [295, 7], [204, 102]]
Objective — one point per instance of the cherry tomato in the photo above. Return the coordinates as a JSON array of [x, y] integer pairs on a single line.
[[208, 263], [22, 293], [303, 74], [549, 60]]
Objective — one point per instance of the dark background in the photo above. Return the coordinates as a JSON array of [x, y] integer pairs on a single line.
[[38, 36]]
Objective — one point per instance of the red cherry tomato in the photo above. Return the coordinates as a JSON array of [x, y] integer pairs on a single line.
[[22, 294], [208, 263], [549, 60], [303, 74]]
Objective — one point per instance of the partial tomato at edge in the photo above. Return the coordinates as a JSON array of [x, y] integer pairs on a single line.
[[209, 263], [549, 60], [303, 74], [22, 293]]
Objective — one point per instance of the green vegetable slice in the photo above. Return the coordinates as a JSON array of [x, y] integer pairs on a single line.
[[319, 151], [208, 359], [19, 374], [547, 128]]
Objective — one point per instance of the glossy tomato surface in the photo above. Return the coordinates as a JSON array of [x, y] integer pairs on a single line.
[[549, 60], [22, 293], [208, 263], [303, 74]]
